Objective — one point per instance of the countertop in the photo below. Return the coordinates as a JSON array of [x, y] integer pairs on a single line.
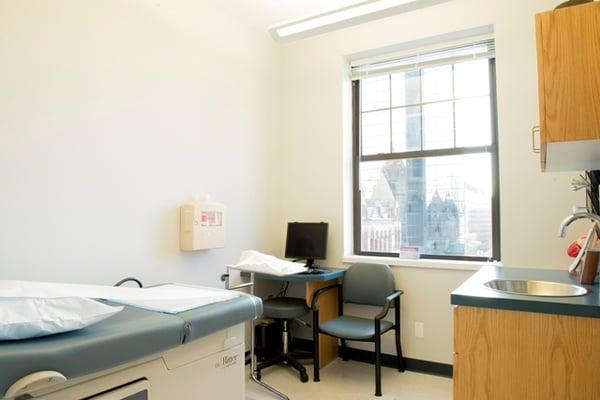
[[327, 275], [473, 293]]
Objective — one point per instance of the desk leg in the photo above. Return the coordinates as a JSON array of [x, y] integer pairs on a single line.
[[328, 309]]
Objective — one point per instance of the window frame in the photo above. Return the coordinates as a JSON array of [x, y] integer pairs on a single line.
[[357, 158]]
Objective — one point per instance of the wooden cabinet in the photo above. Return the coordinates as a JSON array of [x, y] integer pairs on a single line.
[[568, 52], [328, 309], [514, 355]]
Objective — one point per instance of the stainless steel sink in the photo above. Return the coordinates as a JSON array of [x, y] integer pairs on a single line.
[[536, 288]]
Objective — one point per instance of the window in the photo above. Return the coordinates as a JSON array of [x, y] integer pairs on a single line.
[[426, 155]]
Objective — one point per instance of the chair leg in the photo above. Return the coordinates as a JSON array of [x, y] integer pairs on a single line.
[[291, 361], [377, 365], [397, 330], [344, 350], [316, 376], [270, 362], [401, 363]]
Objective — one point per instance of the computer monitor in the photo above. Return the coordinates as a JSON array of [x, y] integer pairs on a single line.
[[306, 241]]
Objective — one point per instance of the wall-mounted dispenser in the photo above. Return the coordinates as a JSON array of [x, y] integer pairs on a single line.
[[202, 225]]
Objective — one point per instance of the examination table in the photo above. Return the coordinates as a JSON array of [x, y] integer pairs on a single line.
[[136, 355]]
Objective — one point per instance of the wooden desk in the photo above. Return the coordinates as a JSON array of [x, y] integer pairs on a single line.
[[328, 304]]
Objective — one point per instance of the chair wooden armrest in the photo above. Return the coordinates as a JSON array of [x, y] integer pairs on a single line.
[[315, 300]]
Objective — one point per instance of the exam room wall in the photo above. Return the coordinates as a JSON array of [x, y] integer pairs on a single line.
[[317, 143], [115, 112]]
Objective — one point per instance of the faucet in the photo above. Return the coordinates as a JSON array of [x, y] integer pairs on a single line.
[[578, 213]]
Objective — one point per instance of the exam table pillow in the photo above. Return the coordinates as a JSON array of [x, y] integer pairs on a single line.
[[24, 318]]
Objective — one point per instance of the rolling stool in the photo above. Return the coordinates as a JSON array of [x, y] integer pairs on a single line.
[[285, 309]]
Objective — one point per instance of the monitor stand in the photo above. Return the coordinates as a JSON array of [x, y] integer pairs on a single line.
[[312, 268]]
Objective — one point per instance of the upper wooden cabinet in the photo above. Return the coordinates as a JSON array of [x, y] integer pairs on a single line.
[[568, 50]]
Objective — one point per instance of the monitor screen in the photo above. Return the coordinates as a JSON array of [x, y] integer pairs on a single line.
[[306, 240]]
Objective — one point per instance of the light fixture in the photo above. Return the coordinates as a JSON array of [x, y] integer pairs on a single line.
[[343, 17]]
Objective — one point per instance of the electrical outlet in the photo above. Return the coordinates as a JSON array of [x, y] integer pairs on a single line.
[[420, 330]]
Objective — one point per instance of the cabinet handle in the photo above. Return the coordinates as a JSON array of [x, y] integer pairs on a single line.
[[535, 130]]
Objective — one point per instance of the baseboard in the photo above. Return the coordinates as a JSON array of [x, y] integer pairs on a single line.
[[387, 360], [412, 364]]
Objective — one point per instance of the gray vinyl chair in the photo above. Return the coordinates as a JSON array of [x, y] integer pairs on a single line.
[[367, 284]]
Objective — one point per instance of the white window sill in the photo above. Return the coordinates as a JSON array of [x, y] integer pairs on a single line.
[[421, 263]]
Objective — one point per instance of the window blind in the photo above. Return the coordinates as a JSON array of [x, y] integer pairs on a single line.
[[449, 55]]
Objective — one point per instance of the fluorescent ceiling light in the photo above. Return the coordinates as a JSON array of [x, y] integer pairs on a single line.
[[343, 17]]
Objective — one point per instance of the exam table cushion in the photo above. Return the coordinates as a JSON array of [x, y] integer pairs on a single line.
[[285, 308], [129, 335], [353, 327], [214, 317]]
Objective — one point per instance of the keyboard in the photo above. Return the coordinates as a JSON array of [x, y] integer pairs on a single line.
[[314, 271]]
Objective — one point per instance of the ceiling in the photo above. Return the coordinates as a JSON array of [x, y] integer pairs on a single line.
[[265, 13]]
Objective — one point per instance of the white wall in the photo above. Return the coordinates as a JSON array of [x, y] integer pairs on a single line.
[[316, 147], [113, 113]]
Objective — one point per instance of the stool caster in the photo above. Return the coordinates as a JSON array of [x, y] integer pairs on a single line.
[[304, 377]]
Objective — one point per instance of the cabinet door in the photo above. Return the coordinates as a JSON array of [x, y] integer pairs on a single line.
[[510, 355], [568, 50]]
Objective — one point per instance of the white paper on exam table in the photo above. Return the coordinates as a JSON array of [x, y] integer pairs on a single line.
[[170, 298], [254, 261]]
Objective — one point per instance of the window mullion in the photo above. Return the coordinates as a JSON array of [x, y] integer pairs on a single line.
[[453, 105], [421, 105], [390, 110], [407, 155]]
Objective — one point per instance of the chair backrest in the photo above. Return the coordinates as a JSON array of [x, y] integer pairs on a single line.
[[368, 284]]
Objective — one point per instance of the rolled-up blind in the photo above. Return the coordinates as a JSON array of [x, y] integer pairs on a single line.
[[418, 60]]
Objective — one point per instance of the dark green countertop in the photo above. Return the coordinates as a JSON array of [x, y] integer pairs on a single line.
[[473, 293]]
